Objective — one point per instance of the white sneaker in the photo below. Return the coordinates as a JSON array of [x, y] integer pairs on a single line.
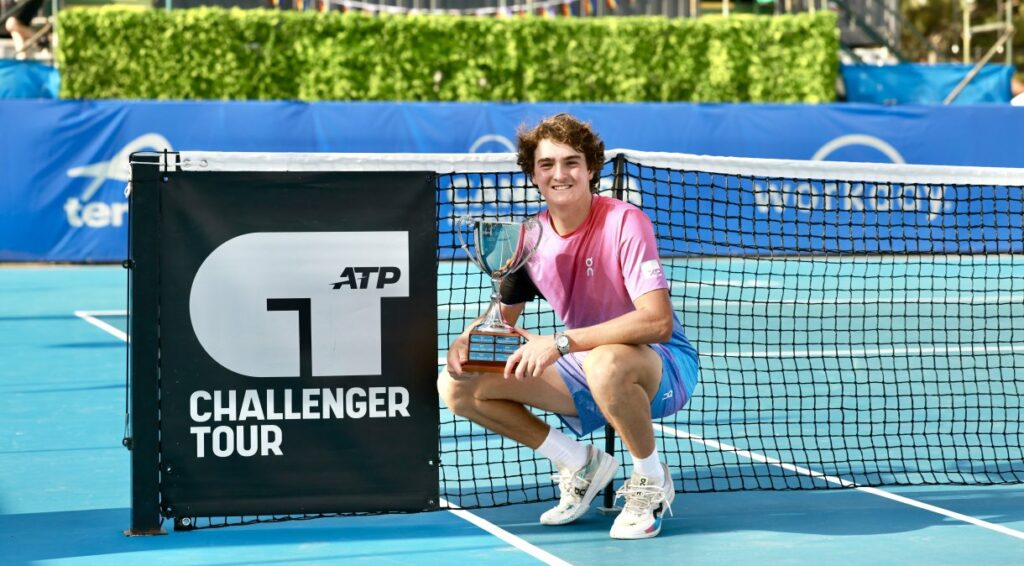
[[579, 488], [645, 506]]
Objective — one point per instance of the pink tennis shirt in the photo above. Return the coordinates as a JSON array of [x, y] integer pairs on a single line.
[[593, 275], [596, 272]]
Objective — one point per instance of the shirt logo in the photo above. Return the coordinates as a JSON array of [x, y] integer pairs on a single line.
[[651, 269], [590, 267]]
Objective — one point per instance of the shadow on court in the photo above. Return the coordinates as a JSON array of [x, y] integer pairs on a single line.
[[89, 345], [38, 317], [834, 513], [847, 512], [98, 533], [805, 527], [71, 389]]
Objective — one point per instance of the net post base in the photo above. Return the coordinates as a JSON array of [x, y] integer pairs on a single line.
[[609, 511]]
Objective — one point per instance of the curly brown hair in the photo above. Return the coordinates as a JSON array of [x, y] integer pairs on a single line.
[[564, 129]]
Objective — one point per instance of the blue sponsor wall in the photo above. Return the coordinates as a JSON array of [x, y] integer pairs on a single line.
[[63, 164], [759, 217], [28, 79], [919, 83]]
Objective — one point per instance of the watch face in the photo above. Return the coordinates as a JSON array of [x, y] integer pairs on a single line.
[[562, 343]]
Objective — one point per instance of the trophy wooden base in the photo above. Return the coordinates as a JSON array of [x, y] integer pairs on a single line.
[[489, 351]]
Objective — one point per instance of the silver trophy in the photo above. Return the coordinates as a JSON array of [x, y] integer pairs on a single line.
[[499, 247]]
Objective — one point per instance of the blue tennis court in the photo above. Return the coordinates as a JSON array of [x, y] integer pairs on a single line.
[[64, 476]]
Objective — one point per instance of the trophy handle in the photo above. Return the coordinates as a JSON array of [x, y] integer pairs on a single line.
[[528, 228], [463, 223]]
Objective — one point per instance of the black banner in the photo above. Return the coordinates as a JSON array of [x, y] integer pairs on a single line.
[[297, 343]]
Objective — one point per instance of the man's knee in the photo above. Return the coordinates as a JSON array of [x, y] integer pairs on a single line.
[[458, 395], [604, 371], [612, 370]]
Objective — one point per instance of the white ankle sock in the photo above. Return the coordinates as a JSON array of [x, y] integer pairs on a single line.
[[563, 450], [650, 467]]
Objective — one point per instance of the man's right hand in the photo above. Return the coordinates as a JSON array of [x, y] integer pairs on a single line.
[[458, 353]]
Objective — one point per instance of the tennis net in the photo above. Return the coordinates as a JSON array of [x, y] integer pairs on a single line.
[[857, 324]]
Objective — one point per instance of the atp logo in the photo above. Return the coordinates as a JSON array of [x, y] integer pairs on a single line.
[[271, 304], [360, 277]]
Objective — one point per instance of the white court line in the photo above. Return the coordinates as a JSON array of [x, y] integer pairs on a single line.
[[976, 299], [90, 317], [940, 300], [781, 354], [840, 481], [538, 553], [955, 349], [534, 551], [730, 283], [532, 307]]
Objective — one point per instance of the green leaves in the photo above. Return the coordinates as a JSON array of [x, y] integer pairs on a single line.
[[212, 53]]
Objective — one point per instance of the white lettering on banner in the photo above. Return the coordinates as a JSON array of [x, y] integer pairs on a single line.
[[778, 196], [244, 440], [256, 297], [82, 211], [467, 192], [194, 406], [803, 196], [503, 194], [480, 195], [259, 407], [95, 214]]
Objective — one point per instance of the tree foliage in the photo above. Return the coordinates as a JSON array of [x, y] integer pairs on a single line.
[[211, 53]]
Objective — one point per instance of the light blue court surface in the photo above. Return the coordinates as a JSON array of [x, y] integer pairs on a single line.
[[64, 477]]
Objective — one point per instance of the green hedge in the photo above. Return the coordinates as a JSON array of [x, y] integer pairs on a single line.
[[211, 53]]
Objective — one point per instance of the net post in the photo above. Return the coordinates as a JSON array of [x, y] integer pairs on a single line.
[[608, 504], [619, 175], [618, 191], [143, 347]]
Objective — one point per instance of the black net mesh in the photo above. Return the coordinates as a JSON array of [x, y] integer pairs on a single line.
[[850, 333]]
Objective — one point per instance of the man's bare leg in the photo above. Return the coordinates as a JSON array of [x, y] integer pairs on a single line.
[[497, 404], [623, 380]]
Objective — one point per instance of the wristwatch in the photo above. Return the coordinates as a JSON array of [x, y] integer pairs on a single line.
[[562, 343]]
